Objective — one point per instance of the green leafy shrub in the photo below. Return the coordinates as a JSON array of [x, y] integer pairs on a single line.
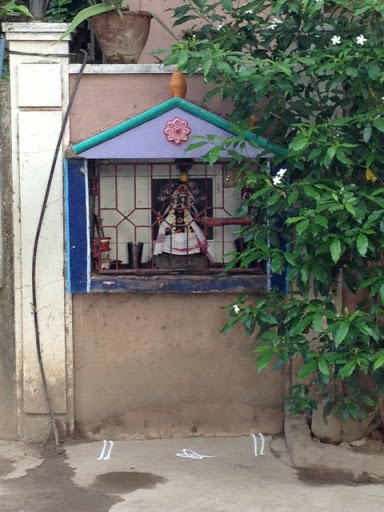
[[310, 75]]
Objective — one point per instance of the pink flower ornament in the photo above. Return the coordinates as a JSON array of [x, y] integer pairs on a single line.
[[177, 131]]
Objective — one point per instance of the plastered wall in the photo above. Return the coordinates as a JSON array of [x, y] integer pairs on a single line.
[[104, 100], [156, 365]]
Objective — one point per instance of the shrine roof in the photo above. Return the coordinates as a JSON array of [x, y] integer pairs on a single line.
[[145, 136]]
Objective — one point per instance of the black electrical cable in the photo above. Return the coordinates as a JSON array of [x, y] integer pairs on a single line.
[[36, 244]]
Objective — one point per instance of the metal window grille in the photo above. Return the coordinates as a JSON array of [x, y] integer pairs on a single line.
[[164, 217]]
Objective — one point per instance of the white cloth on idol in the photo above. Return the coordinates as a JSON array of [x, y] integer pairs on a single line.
[[181, 243]]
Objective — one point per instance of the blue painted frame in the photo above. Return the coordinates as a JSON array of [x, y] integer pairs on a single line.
[[80, 278], [77, 226]]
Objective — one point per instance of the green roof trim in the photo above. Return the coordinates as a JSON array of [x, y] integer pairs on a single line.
[[157, 111]]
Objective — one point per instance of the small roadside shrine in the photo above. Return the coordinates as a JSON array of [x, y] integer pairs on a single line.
[[130, 269], [151, 207]]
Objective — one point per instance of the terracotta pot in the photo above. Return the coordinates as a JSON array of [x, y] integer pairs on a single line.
[[122, 37]]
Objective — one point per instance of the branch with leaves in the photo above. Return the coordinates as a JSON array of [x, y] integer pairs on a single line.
[[324, 61]]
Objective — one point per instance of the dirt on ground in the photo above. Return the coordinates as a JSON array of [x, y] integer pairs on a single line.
[[371, 446]]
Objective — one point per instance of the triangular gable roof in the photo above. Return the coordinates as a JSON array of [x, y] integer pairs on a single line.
[[143, 135]]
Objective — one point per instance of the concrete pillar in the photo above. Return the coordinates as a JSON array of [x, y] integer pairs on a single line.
[[39, 96]]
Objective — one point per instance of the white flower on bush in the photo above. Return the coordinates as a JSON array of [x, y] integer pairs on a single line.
[[276, 180], [336, 40], [361, 40], [236, 309], [274, 23]]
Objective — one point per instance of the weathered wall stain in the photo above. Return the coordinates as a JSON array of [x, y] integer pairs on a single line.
[[7, 317]]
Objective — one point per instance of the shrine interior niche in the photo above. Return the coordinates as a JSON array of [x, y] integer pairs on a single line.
[[165, 216]]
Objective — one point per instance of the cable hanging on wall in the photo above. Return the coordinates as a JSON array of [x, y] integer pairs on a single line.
[[36, 244]]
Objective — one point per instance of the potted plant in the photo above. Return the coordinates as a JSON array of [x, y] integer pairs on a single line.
[[120, 32]]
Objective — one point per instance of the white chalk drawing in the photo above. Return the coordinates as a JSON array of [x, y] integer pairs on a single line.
[[102, 455], [189, 454], [255, 443]]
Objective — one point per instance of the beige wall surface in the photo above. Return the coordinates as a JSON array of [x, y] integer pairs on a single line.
[[149, 366], [104, 100]]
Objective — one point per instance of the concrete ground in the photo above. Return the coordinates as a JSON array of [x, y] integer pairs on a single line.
[[149, 476]]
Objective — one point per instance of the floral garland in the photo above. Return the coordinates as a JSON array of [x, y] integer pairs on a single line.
[[175, 226]]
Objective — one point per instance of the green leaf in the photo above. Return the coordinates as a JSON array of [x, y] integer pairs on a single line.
[[226, 5], [302, 325], [299, 143], [291, 220], [307, 370], [224, 67], [267, 318], [302, 226], [378, 363], [311, 192], [318, 322], [314, 153], [341, 333], [368, 282], [277, 262], [324, 367], [367, 133], [373, 70], [206, 66], [331, 152], [282, 67], [23, 10], [347, 369], [321, 221], [352, 72], [213, 155], [264, 359], [378, 123], [181, 11], [350, 209], [362, 244], [290, 258], [292, 197], [228, 326], [335, 248], [196, 145], [364, 328], [182, 58]]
